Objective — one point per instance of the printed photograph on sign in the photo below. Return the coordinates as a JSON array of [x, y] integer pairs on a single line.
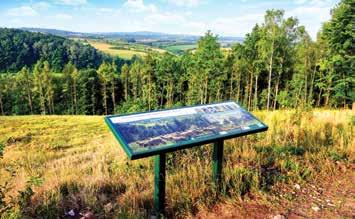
[[146, 131]]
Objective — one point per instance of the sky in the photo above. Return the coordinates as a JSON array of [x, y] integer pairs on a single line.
[[222, 17]]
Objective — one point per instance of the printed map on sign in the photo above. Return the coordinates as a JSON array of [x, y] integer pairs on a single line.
[[171, 128]]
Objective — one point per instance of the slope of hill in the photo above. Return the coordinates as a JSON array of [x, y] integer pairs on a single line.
[[51, 165], [20, 48]]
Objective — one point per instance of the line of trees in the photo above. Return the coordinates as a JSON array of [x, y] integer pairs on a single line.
[[277, 66]]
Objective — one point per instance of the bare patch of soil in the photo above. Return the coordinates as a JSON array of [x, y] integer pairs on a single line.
[[333, 197]]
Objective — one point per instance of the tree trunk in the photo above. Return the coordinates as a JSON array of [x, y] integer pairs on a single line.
[[149, 92], [205, 91], [2, 106], [75, 98], [256, 92], [171, 93], [231, 86], [29, 96], [42, 100], [310, 95], [305, 81], [161, 98], [319, 97], [238, 87], [126, 88], [345, 91], [269, 78], [327, 96], [276, 92], [72, 98], [105, 98], [52, 103], [93, 99], [298, 95], [246, 93], [113, 95], [250, 90]]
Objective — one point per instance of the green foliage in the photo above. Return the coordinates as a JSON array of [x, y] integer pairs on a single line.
[[277, 66], [20, 48]]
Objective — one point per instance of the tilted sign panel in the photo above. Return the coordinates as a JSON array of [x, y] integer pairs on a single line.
[[152, 131]]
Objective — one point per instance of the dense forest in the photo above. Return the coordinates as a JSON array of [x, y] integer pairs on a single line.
[[22, 48], [277, 66]]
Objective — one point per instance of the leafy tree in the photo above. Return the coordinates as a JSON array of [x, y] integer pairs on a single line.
[[3, 86], [89, 92], [149, 88], [25, 82], [104, 73], [340, 34], [40, 85], [48, 85], [125, 80], [208, 58], [167, 76], [71, 74], [268, 43]]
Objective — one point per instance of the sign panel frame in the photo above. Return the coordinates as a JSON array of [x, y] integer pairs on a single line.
[[186, 144]]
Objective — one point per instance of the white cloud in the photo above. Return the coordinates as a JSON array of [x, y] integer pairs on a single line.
[[313, 2], [23, 11], [71, 2], [105, 10], [63, 17], [41, 5], [186, 3], [139, 6], [236, 26], [311, 16], [164, 18]]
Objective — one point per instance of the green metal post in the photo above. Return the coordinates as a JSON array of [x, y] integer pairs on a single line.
[[217, 159], [159, 183]]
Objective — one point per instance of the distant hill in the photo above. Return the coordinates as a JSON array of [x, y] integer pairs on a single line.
[[20, 48], [145, 36]]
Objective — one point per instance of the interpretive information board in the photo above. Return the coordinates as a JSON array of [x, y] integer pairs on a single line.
[[158, 132], [170, 129]]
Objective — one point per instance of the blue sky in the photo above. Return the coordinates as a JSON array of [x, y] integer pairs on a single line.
[[223, 17]]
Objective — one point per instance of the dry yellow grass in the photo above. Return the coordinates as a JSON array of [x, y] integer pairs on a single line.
[[77, 164]]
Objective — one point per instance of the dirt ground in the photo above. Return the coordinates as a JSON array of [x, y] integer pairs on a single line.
[[334, 197]]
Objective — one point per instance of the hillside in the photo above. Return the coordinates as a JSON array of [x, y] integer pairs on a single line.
[[136, 36], [20, 48], [51, 165], [138, 43]]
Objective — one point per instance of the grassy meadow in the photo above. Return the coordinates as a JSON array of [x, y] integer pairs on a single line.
[[180, 48], [111, 50], [53, 164]]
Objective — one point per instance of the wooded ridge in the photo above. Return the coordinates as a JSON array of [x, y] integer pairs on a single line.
[[277, 66]]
